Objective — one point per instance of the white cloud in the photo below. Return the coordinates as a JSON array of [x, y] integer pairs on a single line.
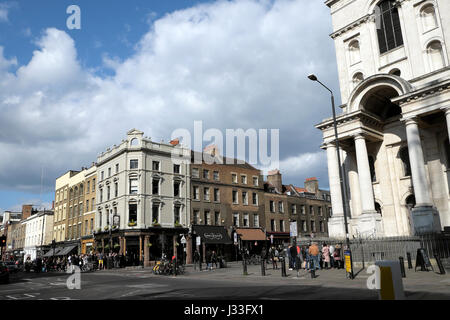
[[232, 64], [4, 8]]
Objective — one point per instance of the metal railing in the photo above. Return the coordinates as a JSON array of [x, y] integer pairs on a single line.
[[389, 248]]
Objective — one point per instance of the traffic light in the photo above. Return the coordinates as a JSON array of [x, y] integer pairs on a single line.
[[2, 241]]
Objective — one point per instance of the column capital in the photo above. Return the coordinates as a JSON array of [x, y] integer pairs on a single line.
[[446, 110], [410, 121], [357, 136]]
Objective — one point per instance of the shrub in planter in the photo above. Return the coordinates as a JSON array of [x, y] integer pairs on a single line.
[[132, 223], [156, 224]]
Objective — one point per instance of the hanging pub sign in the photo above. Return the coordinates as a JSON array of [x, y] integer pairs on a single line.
[[116, 220]]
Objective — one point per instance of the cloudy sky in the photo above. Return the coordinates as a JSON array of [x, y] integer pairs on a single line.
[[67, 95]]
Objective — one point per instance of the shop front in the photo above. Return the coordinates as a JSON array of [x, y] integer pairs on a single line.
[[211, 238], [279, 238], [252, 239], [87, 244]]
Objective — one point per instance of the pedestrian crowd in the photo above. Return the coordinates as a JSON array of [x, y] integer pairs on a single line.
[[307, 257]]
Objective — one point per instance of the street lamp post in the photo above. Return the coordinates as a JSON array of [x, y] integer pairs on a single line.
[[312, 77]]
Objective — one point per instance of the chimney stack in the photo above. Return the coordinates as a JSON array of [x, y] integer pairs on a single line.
[[26, 211], [274, 178], [312, 185]]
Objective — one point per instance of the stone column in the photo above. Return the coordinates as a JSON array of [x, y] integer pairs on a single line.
[[447, 116], [335, 184], [425, 217], [417, 162], [146, 251], [365, 180], [336, 223], [174, 241], [124, 246]]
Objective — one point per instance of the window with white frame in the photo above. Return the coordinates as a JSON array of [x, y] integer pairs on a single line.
[[195, 173], [256, 220], [133, 186], [206, 194], [196, 193], [245, 220], [244, 198], [236, 219]]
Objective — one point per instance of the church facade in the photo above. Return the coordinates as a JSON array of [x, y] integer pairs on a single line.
[[394, 74]]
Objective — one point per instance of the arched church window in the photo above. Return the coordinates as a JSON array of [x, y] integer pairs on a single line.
[[404, 156], [357, 78], [435, 55], [354, 52], [410, 201], [428, 17], [395, 72], [372, 169], [378, 208], [388, 26]]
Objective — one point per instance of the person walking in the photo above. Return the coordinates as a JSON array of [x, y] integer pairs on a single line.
[[314, 254], [214, 259], [331, 256], [274, 256], [337, 256], [196, 259], [293, 257], [208, 260], [326, 256]]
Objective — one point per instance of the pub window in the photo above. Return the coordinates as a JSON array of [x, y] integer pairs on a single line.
[[217, 218], [255, 198], [133, 164], [244, 198], [155, 213], [155, 165], [272, 225], [245, 220], [256, 220], [206, 194], [388, 26], [176, 189], [133, 186], [196, 217], [196, 193], [176, 214], [235, 197], [216, 195], [155, 186], [236, 219], [176, 168]]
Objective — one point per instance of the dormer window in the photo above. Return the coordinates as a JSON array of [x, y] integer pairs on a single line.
[[388, 26]]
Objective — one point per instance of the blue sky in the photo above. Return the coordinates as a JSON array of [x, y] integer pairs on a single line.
[[67, 95]]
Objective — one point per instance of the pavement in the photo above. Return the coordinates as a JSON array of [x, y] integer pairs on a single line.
[[219, 284]]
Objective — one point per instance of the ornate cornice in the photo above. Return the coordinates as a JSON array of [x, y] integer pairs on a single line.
[[359, 115], [368, 17], [423, 93]]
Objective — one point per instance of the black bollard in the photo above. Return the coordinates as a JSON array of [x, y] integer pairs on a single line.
[[263, 267], [283, 268], [175, 267], [402, 266], [408, 256]]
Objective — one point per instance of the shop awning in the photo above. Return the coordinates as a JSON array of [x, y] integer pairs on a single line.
[[66, 250], [212, 234], [252, 234], [50, 252]]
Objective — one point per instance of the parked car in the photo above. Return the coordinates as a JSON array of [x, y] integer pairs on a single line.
[[4, 273], [13, 267]]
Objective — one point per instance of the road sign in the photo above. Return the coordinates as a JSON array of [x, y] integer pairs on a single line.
[[183, 240]]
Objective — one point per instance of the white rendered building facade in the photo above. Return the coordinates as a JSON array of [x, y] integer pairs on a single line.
[[394, 74], [38, 233]]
